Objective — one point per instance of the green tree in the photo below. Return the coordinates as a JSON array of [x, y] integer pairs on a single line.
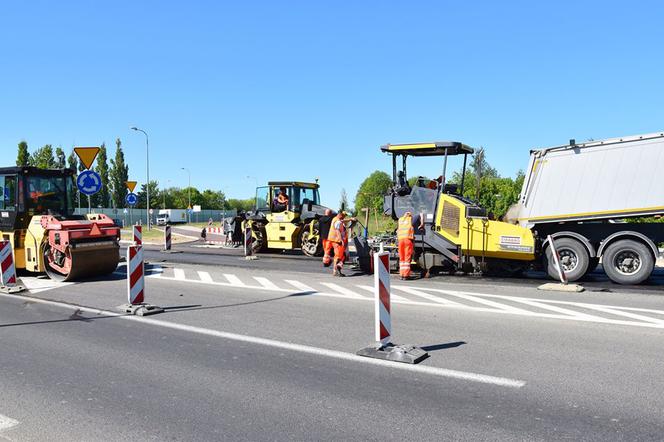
[[23, 157], [372, 190], [213, 200], [118, 176], [72, 161], [154, 196], [240, 204], [343, 201], [60, 160], [101, 198], [43, 157]]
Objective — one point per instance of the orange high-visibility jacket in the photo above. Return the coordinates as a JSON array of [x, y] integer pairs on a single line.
[[337, 234], [405, 230]]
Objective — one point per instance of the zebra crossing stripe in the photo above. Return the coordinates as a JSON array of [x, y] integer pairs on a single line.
[[233, 280], [179, 274], [204, 276], [427, 296], [342, 290], [300, 286], [394, 297], [266, 283]]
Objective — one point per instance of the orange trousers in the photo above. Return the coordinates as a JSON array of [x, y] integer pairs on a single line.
[[339, 255], [327, 252], [405, 256]]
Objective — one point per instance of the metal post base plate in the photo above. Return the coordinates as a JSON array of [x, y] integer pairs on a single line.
[[398, 353], [9, 289], [142, 309]]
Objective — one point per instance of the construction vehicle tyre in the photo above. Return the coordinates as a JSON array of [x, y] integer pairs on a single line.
[[628, 262], [574, 258], [310, 247], [82, 264]]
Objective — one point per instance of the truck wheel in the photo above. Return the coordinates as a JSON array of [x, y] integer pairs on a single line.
[[628, 262], [574, 259]]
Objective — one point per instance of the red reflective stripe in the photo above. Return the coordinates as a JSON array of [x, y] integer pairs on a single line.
[[139, 298], [135, 276], [383, 332], [6, 263]]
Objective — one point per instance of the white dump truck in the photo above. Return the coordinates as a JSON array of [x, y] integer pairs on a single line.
[[589, 197]]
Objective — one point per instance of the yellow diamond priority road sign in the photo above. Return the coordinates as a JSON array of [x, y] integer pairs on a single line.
[[87, 155], [131, 185]]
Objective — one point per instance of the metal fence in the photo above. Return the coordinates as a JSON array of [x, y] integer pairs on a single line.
[[128, 217]]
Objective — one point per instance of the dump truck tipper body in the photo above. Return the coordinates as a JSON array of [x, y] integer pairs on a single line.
[[596, 180]]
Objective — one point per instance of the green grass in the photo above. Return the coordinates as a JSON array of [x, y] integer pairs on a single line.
[[156, 235]]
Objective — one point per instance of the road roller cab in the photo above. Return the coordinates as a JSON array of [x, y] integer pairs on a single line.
[[37, 217]]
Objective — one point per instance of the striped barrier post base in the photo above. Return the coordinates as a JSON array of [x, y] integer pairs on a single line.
[[8, 280], [136, 285], [384, 348]]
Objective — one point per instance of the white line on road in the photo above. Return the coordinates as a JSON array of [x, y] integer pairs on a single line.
[[179, 274], [307, 349], [300, 286], [427, 296], [393, 296], [344, 291], [233, 280], [205, 276], [7, 422], [266, 283]]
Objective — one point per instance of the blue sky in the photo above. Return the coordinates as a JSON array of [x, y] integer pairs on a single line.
[[299, 90]]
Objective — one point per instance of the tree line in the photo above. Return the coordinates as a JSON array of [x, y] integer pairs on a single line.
[[114, 174]]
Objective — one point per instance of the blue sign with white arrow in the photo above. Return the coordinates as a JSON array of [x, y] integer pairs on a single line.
[[89, 182], [131, 199]]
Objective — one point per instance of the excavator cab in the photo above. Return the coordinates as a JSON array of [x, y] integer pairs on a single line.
[[37, 217], [457, 234]]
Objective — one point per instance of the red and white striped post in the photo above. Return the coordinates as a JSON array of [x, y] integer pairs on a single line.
[[384, 347], [135, 275], [382, 309], [556, 261], [7, 264], [167, 238], [248, 239], [138, 235]]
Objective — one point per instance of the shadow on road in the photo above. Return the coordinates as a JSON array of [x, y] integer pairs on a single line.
[[188, 308], [443, 346]]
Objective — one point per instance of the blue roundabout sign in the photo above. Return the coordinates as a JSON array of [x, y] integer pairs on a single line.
[[88, 182], [131, 199]]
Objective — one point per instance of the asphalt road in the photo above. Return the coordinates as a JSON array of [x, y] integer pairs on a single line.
[[264, 350]]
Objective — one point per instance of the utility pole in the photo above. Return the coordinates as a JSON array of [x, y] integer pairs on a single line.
[[147, 169]]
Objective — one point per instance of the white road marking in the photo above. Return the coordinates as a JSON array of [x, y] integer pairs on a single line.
[[266, 283], [179, 274], [553, 308], [428, 296], [393, 296], [205, 276], [496, 305], [7, 422], [342, 290], [38, 285], [612, 311], [233, 280], [307, 349], [300, 286]]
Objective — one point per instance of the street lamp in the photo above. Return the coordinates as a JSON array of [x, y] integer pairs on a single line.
[[147, 169], [189, 192]]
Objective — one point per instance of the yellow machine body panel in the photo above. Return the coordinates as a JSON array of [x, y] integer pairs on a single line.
[[27, 250], [281, 231], [479, 236]]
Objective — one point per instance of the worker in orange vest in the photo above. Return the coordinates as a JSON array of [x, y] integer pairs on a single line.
[[405, 237], [338, 238], [324, 227]]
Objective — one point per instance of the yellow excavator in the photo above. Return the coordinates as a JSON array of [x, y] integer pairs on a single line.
[[37, 218], [458, 234]]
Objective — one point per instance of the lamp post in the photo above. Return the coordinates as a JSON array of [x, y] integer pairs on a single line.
[[189, 193], [147, 169]]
